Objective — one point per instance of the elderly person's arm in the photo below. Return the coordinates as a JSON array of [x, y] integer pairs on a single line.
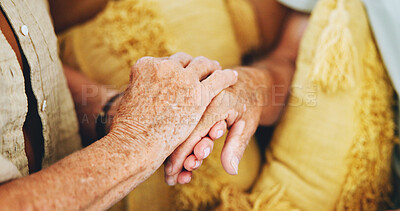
[[148, 126]]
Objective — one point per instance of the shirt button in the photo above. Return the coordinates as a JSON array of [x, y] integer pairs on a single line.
[[44, 105], [24, 30]]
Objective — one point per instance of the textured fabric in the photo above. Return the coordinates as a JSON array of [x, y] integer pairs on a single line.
[[204, 191], [8, 170], [55, 106], [335, 154], [106, 47], [384, 17]]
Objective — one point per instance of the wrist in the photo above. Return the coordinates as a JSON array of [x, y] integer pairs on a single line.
[[106, 115], [147, 151], [257, 81], [133, 134], [130, 156]]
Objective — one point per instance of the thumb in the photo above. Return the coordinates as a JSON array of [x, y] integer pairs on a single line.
[[235, 145]]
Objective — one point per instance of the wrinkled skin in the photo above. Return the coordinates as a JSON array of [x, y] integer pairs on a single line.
[[159, 110], [161, 107]]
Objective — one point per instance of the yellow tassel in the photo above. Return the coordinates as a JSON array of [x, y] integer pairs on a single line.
[[336, 57]]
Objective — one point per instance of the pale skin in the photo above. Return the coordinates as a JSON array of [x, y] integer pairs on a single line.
[[257, 98]]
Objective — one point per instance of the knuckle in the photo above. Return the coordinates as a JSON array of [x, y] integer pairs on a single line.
[[167, 63], [219, 77], [144, 60], [182, 54], [202, 60], [219, 73], [134, 71]]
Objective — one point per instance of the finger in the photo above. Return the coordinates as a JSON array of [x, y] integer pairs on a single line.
[[136, 68], [234, 147], [218, 130], [177, 158], [183, 58], [218, 81], [171, 180], [214, 113], [168, 167], [203, 149], [203, 67], [184, 177], [191, 163]]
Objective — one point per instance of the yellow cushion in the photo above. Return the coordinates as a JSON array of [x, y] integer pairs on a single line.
[[332, 148]]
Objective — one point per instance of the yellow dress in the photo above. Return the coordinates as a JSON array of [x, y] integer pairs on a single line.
[[105, 48]]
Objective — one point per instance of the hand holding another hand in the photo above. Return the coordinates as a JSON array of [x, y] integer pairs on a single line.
[[238, 108], [165, 101]]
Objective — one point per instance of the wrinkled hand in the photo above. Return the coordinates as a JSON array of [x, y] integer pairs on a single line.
[[239, 108], [166, 99]]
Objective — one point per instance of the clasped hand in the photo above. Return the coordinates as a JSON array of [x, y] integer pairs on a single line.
[[165, 101]]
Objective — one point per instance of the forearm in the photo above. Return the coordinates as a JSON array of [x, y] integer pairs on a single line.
[[68, 13], [89, 98], [270, 15], [273, 73], [82, 179]]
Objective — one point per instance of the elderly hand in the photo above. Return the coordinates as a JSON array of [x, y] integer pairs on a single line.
[[166, 99], [238, 107]]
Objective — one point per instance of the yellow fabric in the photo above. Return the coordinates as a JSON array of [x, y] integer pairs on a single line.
[[54, 101], [332, 148], [204, 189], [106, 47]]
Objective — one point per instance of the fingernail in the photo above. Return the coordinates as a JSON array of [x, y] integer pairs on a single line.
[[219, 134], [170, 181], [235, 72], [197, 164], [187, 180], [235, 164], [168, 167], [206, 152]]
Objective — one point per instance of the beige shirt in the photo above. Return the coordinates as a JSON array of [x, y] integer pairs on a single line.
[[31, 22]]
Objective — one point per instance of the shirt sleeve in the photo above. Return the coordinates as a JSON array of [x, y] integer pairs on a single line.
[[8, 171], [305, 6]]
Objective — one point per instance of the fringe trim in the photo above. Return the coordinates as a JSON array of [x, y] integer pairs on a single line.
[[368, 185], [269, 199], [123, 32], [336, 58]]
